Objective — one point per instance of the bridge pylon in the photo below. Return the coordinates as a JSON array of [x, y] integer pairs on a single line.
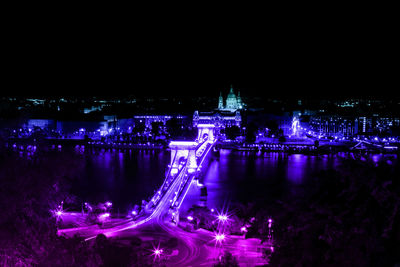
[[182, 151], [205, 130]]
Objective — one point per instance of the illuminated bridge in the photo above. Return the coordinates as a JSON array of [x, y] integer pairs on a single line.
[[185, 166], [186, 163]]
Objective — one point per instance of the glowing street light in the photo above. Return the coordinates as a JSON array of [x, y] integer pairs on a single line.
[[219, 238], [223, 217], [190, 218], [270, 231], [157, 252], [134, 212], [103, 216]]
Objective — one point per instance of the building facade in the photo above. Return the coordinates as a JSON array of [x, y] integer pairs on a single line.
[[232, 102], [334, 126], [226, 114], [147, 120], [218, 117]]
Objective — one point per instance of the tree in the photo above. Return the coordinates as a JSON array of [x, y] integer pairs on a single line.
[[155, 128], [350, 217], [316, 143], [272, 126], [30, 192], [232, 132], [173, 127], [139, 128], [227, 260], [251, 132]]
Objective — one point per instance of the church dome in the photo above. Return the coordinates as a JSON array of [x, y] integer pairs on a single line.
[[231, 101], [231, 94]]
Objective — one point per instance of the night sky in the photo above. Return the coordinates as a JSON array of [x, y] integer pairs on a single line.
[[154, 63]]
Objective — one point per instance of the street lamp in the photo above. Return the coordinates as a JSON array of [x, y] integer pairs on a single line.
[[157, 252], [219, 238], [269, 230], [103, 216], [222, 218]]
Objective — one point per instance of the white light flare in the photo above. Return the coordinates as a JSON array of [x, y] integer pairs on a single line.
[[222, 217], [157, 252], [103, 216], [219, 238]]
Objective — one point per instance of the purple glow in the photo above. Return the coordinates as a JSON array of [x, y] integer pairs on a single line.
[[157, 251], [219, 238], [223, 218], [270, 220], [243, 229], [108, 204], [190, 218], [103, 216], [134, 212]]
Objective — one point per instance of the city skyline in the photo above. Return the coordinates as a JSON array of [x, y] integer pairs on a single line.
[[150, 143]]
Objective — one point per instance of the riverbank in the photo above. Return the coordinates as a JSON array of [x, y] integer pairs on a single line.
[[290, 147]]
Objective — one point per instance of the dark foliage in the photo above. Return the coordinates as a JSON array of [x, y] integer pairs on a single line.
[[30, 189], [227, 260], [352, 218]]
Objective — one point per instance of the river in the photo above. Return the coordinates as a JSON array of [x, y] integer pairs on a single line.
[[125, 177]]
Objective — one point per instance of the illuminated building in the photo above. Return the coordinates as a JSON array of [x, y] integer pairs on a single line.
[[224, 115], [147, 120], [220, 118], [334, 125], [233, 102], [377, 124]]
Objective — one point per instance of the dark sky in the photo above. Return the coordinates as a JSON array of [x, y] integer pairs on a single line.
[[163, 62]]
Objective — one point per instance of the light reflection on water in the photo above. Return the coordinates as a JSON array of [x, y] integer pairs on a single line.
[[244, 177], [125, 177]]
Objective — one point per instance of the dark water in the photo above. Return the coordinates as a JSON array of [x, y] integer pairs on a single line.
[[127, 177], [123, 177]]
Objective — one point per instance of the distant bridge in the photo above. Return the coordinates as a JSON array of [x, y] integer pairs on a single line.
[[365, 145]]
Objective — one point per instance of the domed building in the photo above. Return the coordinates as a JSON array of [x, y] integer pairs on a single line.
[[233, 102], [225, 115]]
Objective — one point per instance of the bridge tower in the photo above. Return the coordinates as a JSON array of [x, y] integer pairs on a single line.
[[205, 130], [180, 151]]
